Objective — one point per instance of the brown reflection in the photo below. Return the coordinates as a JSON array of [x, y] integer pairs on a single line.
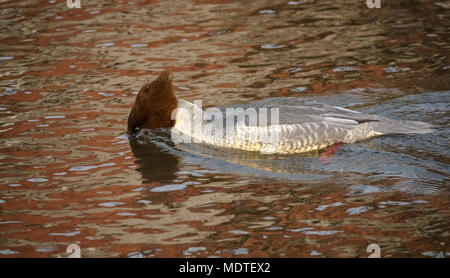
[[155, 163]]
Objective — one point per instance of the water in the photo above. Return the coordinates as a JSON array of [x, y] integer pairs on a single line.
[[68, 78]]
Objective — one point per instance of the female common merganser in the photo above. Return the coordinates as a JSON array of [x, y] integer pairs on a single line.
[[296, 125]]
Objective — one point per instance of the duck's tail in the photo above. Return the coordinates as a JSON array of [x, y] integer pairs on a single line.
[[388, 126], [383, 126]]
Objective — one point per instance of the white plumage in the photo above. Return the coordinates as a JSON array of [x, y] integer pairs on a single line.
[[303, 126]]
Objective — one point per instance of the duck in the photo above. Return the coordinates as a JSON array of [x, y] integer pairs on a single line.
[[295, 125]]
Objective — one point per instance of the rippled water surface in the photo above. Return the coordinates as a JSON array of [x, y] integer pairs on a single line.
[[68, 78]]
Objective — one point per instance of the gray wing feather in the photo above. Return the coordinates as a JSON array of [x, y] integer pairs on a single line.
[[308, 124], [296, 110]]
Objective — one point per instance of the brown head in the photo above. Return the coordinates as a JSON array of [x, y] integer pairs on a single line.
[[153, 105]]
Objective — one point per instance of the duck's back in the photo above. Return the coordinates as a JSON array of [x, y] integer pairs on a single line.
[[306, 125]]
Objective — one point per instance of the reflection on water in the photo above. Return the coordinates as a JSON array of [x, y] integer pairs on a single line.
[[68, 78], [155, 163]]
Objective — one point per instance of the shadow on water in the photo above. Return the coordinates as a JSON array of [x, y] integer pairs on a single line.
[[155, 162]]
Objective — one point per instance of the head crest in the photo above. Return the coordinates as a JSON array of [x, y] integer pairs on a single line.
[[154, 105]]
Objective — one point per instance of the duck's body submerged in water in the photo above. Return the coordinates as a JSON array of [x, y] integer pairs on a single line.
[[302, 125]]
